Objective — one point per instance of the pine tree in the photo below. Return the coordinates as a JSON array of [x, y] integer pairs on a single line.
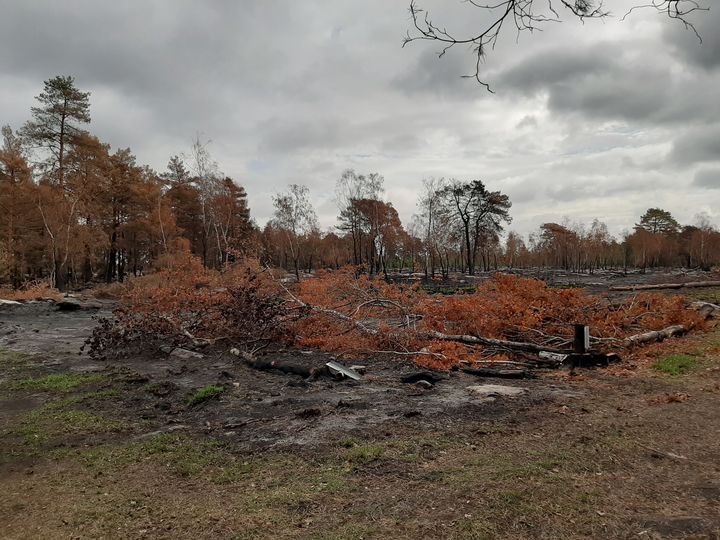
[[54, 124]]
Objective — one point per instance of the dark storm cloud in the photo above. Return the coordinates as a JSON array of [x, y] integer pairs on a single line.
[[606, 81]]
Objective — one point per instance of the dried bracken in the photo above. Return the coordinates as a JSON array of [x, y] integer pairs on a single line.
[[507, 319]]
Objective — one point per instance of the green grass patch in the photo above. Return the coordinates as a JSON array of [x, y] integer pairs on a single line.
[[57, 382], [711, 294], [12, 358], [278, 477], [675, 364], [60, 404], [44, 424], [205, 394], [363, 454]]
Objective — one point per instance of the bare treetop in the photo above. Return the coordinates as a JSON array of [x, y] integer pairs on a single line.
[[528, 15]]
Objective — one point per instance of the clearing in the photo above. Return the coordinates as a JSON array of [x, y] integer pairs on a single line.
[[161, 447]]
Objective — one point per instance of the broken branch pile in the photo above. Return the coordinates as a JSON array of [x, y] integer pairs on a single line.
[[508, 323], [506, 317]]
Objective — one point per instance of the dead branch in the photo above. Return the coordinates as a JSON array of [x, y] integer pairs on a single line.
[[706, 309], [512, 345], [331, 312], [688, 285], [407, 353], [203, 342]]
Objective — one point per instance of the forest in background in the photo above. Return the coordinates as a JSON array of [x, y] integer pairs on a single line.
[[74, 212]]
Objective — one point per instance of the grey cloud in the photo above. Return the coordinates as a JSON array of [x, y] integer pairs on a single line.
[[613, 81], [555, 66], [696, 145], [440, 76], [286, 136], [298, 91], [703, 52], [527, 121], [707, 178]]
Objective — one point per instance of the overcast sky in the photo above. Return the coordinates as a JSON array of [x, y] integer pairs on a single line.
[[600, 120]]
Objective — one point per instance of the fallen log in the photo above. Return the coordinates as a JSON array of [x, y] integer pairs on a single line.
[[688, 285], [267, 364], [656, 335], [499, 373]]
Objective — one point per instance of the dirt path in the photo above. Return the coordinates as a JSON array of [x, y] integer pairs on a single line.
[[114, 450]]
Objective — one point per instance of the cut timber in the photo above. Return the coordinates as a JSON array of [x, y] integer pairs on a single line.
[[657, 335], [501, 343], [688, 285]]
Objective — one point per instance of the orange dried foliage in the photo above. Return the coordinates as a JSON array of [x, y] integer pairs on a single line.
[[505, 307], [373, 303], [33, 291], [186, 302], [366, 316], [509, 307]]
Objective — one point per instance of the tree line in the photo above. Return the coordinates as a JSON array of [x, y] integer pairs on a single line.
[[73, 211]]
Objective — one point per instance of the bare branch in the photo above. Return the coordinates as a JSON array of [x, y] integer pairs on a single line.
[[522, 14]]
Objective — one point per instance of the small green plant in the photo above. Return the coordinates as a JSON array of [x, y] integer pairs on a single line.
[[675, 364], [58, 382], [362, 454], [205, 394]]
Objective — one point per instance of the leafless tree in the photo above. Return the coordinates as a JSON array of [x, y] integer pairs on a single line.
[[296, 217]]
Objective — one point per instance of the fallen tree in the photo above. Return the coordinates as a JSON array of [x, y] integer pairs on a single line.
[[507, 323], [659, 286]]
